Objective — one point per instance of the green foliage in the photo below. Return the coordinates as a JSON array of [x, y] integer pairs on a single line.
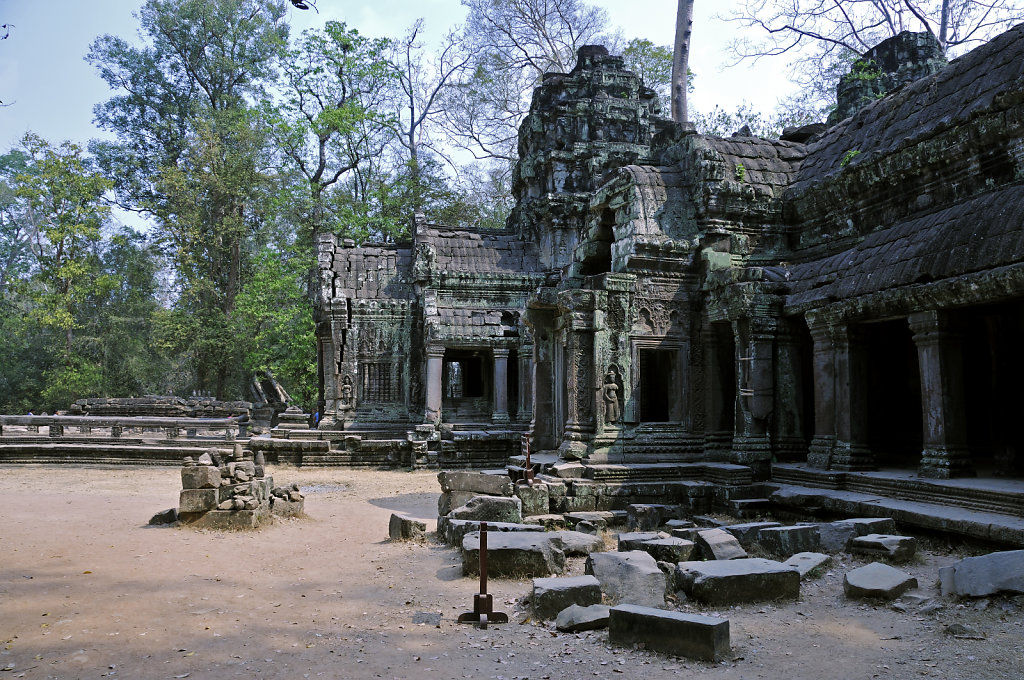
[[848, 157], [741, 173], [864, 69], [278, 320]]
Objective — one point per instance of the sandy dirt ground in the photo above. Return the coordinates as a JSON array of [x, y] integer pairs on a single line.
[[87, 590]]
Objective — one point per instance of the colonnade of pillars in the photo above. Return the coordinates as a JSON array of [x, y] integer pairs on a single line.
[[840, 396], [500, 363]]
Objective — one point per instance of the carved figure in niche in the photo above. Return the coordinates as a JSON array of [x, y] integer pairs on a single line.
[[347, 401], [610, 391]]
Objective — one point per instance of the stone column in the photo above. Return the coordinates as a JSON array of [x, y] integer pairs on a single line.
[[788, 422], [820, 453], [755, 378], [435, 364], [500, 412], [851, 450], [525, 406], [580, 424], [940, 359]]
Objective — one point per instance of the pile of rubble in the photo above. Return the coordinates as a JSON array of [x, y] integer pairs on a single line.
[[665, 555], [229, 489]]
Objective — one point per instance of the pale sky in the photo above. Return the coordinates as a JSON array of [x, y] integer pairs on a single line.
[[52, 90]]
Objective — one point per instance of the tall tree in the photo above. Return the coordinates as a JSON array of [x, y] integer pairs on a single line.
[[333, 116], [681, 59], [64, 210], [189, 152]]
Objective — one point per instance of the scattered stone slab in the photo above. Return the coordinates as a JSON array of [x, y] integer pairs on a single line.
[[648, 516], [718, 544], [587, 528], [600, 519], [673, 524], [569, 470], [877, 581], [514, 554], [454, 530], [628, 577], [807, 562], [578, 543], [552, 595], [836, 536], [746, 533], [631, 540], [671, 550], [708, 522], [490, 509], [728, 582], [577, 619], [786, 541], [168, 516], [690, 635], [686, 533], [476, 482], [549, 522], [405, 528], [998, 572], [898, 549]]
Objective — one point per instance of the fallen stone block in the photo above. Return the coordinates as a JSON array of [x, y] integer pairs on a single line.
[[807, 562], [671, 550], [587, 528], [708, 522], [631, 540], [403, 528], [285, 507], [648, 517], [836, 536], [570, 470], [718, 544], [200, 477], [454, 530], [877, 581], [578, 543], [746, 533], [534, 498], [449, 500], [477, 482], [198, 500], [628, 577], [786, 541], [576, 619], [690, 635], [998, 572], [727, 582], [490, 509], [549, 522], [168, 516], [552, 595], [514, 554], [894, 548], [597, 518]]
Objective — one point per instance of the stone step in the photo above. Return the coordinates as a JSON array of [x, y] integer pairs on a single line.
[[745, 508]]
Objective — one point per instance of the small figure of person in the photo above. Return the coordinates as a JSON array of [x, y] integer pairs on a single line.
[[346, 392], [610, 390]]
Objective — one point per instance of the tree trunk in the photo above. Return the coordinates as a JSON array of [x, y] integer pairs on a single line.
[[681, 59], [944, 25]]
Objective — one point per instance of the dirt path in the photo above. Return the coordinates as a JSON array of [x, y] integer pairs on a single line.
[[88, 591]]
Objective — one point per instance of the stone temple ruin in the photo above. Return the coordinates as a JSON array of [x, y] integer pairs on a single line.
[[841, 300]]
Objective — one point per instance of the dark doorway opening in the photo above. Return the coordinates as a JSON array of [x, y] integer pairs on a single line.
[[993, 375], [894, 420], [657, 373], [467, 385]]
